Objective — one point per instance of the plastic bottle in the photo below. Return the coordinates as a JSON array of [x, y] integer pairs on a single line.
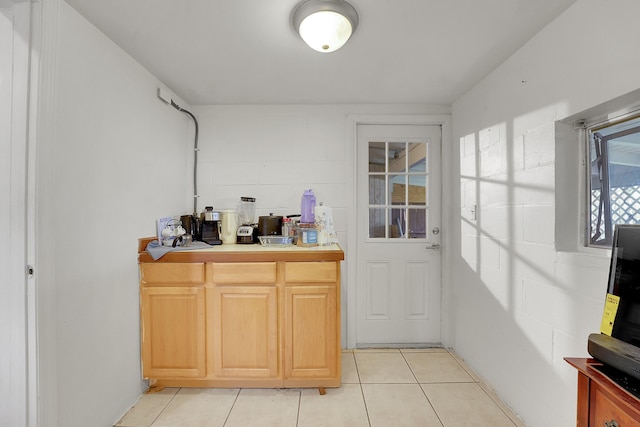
[[286, 227], [307, 208]]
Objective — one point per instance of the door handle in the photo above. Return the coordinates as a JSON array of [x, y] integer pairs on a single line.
[[433, 246]]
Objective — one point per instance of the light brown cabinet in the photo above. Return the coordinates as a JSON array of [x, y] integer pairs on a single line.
[[241, 319], [310, 336], [601, 401], [175, 306], [311, 325]]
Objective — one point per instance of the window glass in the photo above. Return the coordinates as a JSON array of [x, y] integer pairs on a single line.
[[614, 178], [398, 189], [418, 157], [377, 161], [397, 226], [377, 190], [417, 223], [397, 157], [377, 222], [417, 191]]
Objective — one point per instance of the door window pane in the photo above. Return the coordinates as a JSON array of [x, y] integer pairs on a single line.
[[397, 225], [377, 156], [377, 190], [377, 222], [417, 191], [417, 223], [418, 157], [397, 157], [397, 189]]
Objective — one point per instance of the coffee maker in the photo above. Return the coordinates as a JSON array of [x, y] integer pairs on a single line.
[[210, 226]]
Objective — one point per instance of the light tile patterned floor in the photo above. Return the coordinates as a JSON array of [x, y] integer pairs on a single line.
[[380, 388]]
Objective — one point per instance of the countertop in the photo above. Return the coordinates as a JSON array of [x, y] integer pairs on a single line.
[[245, 253]]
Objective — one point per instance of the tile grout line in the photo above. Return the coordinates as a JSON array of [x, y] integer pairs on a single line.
[[299, 404], [226, 419], [164, 407], [364, 400], [424, 393], [409, 366]]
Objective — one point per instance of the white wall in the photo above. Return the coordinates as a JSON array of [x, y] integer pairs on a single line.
[[274, 153], [519, 306], [117, 160]]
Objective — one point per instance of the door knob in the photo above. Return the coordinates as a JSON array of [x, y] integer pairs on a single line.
[[435, 231]]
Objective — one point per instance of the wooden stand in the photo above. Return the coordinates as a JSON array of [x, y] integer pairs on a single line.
[[601, 401]]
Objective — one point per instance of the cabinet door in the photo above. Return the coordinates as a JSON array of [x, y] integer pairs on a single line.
[[244, 325], [311, 334], [173, 332]]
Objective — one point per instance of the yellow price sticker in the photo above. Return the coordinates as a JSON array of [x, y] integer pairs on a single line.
[[609, 314]]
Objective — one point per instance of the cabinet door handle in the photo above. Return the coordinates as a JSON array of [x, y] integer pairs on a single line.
[[612, 423]]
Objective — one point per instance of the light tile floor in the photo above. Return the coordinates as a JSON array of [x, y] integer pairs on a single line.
[[380, 388]]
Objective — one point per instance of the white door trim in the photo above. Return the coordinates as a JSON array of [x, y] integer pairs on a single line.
[[20, 356], [349, 294]]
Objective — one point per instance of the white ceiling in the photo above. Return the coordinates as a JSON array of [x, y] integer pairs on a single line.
[[246, 51]]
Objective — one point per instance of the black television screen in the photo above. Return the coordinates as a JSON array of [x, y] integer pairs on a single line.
[[618, 344], [624, 282]]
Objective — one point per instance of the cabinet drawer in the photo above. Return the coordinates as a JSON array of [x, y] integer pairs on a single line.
[[244, 272], [172, 273], [608, 408], [311, 272]]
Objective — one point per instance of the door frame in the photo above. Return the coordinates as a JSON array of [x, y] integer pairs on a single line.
[[24, 384], [349, 291]]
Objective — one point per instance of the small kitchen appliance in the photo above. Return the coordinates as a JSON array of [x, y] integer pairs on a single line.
[[229, 226], [269, 225], [210, 227], [246, 217]]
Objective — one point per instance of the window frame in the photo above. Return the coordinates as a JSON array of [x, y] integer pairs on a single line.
[[405, 207], [590, 128]]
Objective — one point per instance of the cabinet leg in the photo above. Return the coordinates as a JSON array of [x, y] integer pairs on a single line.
[[154, 387], [322, 391]]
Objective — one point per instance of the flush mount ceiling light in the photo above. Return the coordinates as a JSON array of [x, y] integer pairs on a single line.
[[325, 25]]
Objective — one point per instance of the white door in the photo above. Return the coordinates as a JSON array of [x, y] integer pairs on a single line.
[[398, 284]]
